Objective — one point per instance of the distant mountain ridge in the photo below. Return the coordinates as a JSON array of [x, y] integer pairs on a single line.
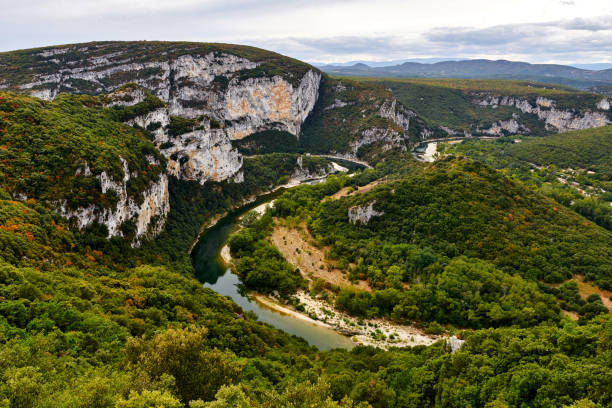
[[483, 68]]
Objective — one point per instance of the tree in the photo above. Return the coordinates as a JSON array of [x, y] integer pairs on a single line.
[[150, 399], [183, 353]]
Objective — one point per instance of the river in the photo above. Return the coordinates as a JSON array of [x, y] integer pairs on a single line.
[[212, 272]]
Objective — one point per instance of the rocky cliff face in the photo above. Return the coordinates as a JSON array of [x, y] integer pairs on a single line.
[[395, 135], [226, 93], [363, 214], [556, 120], [301, 173], [389, 137], [148, 213], [209, 95], [396, 113]]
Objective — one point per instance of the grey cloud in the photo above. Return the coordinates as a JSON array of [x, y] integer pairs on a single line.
[[564, 41], [531, 42], [592, 24]]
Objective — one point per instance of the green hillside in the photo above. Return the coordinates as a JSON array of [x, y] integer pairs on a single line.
[[470, 242], [455, 247], [20, 67], [46, 147], [589, 149], [572, 167], [83, 335], [450, 102]]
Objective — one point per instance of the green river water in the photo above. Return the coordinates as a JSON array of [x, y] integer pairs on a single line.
[[211, 271]]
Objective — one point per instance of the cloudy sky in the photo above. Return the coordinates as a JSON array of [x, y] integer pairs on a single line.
[[538, 31]]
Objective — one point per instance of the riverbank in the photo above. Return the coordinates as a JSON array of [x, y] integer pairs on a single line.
[[248, 200], [377, 332]]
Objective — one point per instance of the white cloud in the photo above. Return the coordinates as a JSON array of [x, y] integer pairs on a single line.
[[329, 30]]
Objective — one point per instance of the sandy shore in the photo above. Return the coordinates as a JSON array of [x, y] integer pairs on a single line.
[[225, 255], [273, 305], [380, 333]]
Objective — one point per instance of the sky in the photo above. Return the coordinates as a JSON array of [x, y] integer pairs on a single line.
[[324, 31]]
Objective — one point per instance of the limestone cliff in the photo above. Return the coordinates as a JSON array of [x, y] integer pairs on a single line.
[[396, 113], [148, 213], [555, 119], [389, 138], [363, 214], [303, 173], [229, 95]]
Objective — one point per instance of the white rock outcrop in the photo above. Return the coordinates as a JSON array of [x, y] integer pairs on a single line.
[[396, 113], [193, 86], [338, 104], [301, 173], [390, 138], [154, 206], [555, 120], [505, 127], [454, 343], [363, 214]]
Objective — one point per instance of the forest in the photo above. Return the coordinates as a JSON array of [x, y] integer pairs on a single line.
[[573, 168], [474, 245]]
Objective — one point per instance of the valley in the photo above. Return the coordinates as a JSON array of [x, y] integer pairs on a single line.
[[415, 242]]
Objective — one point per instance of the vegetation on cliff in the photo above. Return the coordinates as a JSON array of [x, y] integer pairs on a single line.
[[87, 321], [54, 151]]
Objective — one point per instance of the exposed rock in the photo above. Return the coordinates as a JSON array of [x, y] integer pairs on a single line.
[[363, 214], [544, 108], [268, 103], [456, 133], [155, 206], [339, 87], [203, 155], [454, 343], [397, 113], [301, 174], [503, 127], [337, 104], [159, 116], [193, 86], [126, 97], [426, 134], [390, 137]]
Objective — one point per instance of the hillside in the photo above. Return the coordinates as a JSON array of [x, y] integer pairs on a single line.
[[573, 167], [498, 108], [501, 69], [235, 96], [472, 211], [74, 156], [38, 68], [115, 156], [211, 94]]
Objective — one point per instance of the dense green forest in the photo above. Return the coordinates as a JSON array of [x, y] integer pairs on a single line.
[[54, 150], [91, 336], [457, 247], [573, 167], [473, 245], [448, 283]]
